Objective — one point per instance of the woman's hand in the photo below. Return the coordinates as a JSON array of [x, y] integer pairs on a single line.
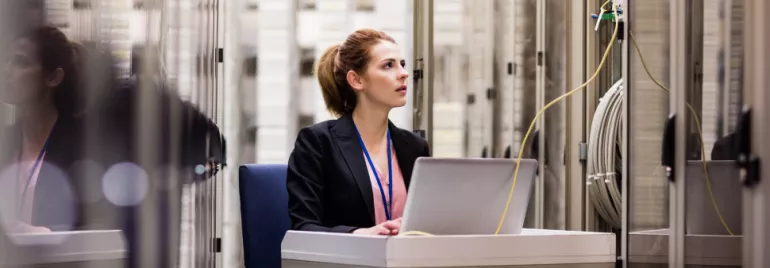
[[385, 228], [20, 227]]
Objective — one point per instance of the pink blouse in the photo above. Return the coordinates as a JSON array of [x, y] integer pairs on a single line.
[[25, 213], [399, 188]]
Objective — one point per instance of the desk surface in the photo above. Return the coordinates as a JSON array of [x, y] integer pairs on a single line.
[[532, 247], [68, 247]]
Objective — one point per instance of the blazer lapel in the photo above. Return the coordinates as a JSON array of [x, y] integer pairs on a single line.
[[347, 141]]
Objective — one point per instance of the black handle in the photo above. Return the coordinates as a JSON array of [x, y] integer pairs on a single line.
[[743, 136], [668, 154], [747, 162], [507, 152]]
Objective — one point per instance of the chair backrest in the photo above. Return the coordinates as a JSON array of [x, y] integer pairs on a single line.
[[264, 213]]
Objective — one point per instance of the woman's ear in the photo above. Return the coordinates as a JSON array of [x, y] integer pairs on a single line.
[[55, 78], [356, 81]]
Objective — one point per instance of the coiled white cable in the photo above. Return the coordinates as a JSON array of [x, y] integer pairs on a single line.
[[602, 184]]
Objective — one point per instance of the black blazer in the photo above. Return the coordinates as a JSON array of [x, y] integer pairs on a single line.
[[56, 195], [327, 179]]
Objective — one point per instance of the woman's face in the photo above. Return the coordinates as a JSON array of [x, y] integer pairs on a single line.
[[24, 79], [384, 82]]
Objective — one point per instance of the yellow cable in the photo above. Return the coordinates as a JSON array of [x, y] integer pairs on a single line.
[[416, 233], [700, 132], [604, 5], [534, 120]]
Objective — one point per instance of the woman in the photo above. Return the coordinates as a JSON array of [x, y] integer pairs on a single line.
[[351, 175], [39, 81]]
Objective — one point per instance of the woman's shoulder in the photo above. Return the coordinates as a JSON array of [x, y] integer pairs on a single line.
[[408, 135], [315, 132]]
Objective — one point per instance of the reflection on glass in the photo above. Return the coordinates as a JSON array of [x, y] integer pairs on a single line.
[[41, 85]]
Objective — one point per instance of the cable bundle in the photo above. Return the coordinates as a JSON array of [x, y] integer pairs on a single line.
[[604, 163]]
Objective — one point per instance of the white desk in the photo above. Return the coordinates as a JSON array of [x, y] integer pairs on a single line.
[[532, 248], [650, 249], [68, 249]]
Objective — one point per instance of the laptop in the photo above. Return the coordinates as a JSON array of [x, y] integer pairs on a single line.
[[467, 196]]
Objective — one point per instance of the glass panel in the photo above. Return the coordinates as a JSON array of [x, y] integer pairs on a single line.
[[113, 113], [713, 203], [649, 110]]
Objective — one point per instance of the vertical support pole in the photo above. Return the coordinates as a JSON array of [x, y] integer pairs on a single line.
[[576, 119], [592, 59], [540, 125], [230, 225], [505, 82], [422, 62], [756, 210], [681, 81], [227, 220], [488, 91], [626, 134]]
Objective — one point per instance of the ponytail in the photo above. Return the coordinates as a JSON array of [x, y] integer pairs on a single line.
[[326, 70]]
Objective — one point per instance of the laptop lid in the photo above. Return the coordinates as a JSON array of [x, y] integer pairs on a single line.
[[463, 196]]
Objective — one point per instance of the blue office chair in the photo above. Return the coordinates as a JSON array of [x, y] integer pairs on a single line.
[[264, 213]]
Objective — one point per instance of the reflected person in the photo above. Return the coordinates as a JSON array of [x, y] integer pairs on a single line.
[[351, 175], [43, 81], [40, 82]]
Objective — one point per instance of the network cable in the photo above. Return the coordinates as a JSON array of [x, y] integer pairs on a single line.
[[700, 132]]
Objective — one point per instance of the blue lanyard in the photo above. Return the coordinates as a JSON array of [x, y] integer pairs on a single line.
[[388, 205], [32, 170]]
